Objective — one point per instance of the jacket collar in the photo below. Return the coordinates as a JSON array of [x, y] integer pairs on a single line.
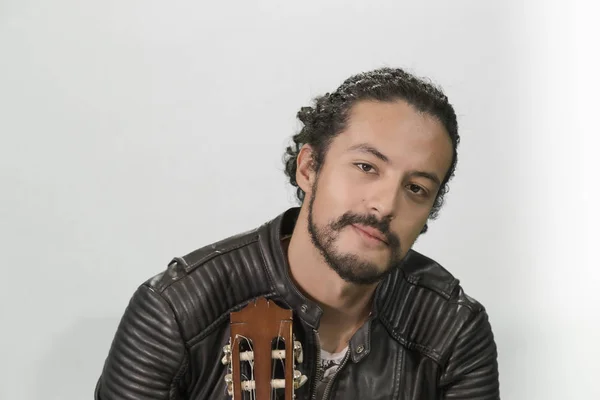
[[414, 270], [270, 236], [417, 279]]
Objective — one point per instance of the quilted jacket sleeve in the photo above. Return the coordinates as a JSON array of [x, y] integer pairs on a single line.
[[472, 369], [147, 354]]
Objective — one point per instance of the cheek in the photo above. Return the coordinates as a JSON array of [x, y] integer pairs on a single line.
[[334, 195], [408, 228]]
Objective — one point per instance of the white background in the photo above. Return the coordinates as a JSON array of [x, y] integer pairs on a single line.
[[135, 131]]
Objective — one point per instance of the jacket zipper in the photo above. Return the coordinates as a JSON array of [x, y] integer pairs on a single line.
[[320, 372], [330, 383], [313, 386]]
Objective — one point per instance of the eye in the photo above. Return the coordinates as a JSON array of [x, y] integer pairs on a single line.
[[364, 167], [416, 189]]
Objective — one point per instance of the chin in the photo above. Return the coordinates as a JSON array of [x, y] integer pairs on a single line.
[[359, 272], [379, 263]]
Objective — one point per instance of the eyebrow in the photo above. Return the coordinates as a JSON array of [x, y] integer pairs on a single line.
[[426, 175], [366, 148]]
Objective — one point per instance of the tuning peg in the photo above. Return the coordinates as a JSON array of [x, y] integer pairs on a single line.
[[227, 355], [298, 354], [299, 379], [229, 382]]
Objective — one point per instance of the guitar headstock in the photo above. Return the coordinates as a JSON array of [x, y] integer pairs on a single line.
[[262, 353]]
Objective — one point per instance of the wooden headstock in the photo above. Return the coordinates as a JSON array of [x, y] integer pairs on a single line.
[[262, 352]]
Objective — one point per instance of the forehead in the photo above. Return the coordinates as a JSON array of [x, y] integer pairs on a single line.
[[408, 137]]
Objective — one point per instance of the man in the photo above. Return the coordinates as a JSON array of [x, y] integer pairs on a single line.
[[376, 319]]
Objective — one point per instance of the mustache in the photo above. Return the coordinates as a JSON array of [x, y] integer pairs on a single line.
[[382, 226]]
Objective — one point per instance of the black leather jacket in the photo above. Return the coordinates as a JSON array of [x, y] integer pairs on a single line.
[[426, 339]]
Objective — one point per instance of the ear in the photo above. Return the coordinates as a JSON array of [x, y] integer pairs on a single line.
[[305, 171]]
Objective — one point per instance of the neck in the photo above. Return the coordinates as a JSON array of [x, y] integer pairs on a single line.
[[346, 306]]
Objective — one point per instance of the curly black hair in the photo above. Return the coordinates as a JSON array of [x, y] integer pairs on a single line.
[[329, 115]]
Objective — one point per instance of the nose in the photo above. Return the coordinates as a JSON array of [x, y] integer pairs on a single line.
[[382, 199]]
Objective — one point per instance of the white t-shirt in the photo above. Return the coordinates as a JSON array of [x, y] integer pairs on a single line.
[[330, 362]]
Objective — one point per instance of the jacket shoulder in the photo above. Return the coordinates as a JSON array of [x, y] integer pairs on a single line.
[[205, 285], [425, 308]]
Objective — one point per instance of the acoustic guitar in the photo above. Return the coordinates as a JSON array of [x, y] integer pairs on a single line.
[[262, 353]]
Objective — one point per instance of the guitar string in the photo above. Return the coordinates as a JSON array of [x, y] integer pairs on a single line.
[[273, 390], [251, 363]]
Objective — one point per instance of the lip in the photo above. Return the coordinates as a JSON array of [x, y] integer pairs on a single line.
[[372, 232]]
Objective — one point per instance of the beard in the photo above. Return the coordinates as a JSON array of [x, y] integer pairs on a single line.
[[350, 267]]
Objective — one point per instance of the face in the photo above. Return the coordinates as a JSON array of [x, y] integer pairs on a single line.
[[372, 196]]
